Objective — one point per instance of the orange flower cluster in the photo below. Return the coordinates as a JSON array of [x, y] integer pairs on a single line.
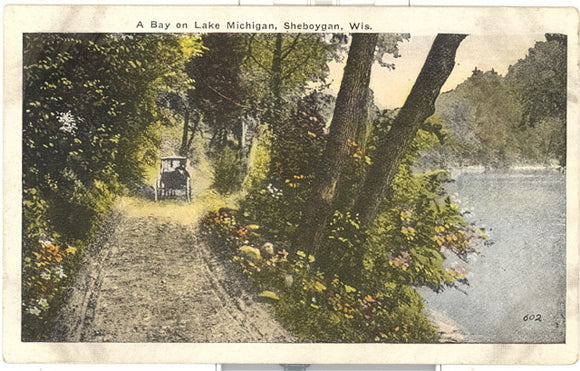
[[47, 253]]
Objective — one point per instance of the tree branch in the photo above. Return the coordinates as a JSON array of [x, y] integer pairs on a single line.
[[299, 64], [251, 54], [291, 47], [225, 97]]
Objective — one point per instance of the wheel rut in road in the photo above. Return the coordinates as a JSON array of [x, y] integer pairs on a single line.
[[149, 278]]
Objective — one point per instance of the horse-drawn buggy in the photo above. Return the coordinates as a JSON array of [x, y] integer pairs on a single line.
[[173, 180]]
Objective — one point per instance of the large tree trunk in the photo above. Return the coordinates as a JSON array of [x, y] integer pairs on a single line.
[[350, 111], [420, 104]]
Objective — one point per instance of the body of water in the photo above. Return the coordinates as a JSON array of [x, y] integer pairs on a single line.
[[517, 288]]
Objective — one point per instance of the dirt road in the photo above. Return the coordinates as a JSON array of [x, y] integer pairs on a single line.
[[149, 277]]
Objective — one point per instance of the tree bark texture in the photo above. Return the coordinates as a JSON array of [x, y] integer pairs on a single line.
[[276, 82], [420, 104], [350, 112], [184, 137]]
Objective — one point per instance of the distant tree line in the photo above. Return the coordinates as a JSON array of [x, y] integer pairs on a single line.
[[517, 119]]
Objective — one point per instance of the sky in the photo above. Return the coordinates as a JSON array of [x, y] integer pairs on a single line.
[[485, 52]]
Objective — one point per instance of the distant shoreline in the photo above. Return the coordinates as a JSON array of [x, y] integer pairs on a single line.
[[474, 169]]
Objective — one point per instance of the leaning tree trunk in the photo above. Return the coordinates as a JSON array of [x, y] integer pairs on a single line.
[[350, 112], [420, 104]]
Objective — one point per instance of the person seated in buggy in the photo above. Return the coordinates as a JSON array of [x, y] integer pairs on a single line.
[[173, 179], [181, 174]]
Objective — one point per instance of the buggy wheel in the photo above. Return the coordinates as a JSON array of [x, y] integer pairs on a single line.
[[157, 189], [188, 190]]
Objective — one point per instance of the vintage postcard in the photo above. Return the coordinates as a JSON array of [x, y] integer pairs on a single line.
[[290, 185]]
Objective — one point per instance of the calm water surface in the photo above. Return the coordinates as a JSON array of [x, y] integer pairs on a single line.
[[522, 273]]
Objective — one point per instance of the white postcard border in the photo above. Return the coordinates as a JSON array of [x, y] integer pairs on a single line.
[[22, 19]]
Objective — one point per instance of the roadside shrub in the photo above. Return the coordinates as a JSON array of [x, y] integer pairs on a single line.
[[344, 254], [56, 221], [278, 208], [47, 271], [332, 311], [317, 307]]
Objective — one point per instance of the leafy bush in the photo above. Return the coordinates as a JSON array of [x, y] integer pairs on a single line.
[[343, 254], [315, 307], [47, 270], [277, 208], [417, 227], [299, 139]]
